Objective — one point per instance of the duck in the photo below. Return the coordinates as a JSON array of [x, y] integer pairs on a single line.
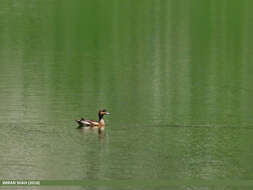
[[100, 124]]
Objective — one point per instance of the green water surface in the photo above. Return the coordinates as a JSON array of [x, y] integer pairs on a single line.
[[176, 76]]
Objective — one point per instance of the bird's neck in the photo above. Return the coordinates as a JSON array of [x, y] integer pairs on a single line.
[[100, 117], [101, 121]]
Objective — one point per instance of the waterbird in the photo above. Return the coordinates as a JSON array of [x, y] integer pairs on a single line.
[[100, 124]]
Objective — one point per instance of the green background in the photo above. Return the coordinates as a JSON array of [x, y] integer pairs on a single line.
[[176, 76]]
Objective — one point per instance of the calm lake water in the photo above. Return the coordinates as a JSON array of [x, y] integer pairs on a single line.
[[176, 76]]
